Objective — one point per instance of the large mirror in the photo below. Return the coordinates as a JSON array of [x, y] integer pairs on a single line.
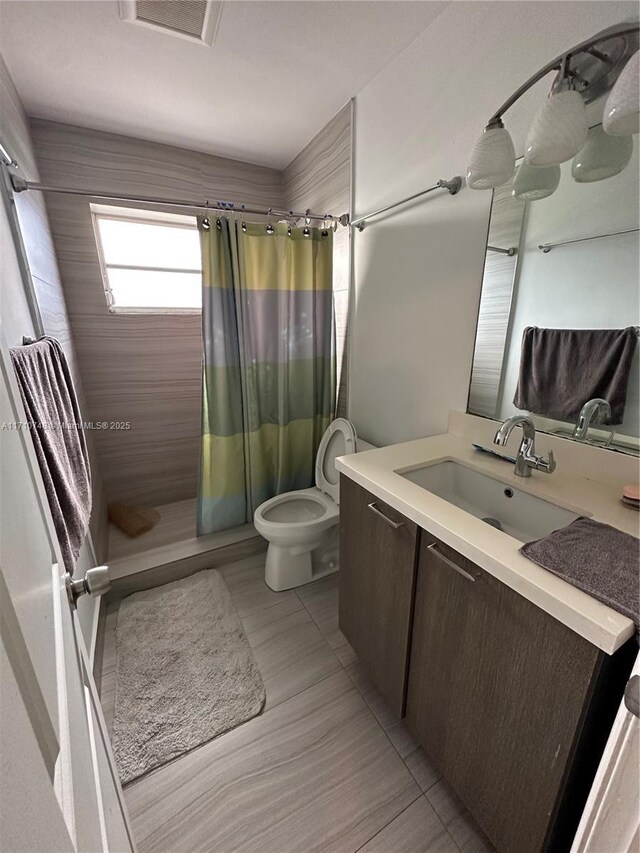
[[557, 334]]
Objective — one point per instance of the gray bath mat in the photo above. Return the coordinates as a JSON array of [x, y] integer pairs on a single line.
[[184, 672]]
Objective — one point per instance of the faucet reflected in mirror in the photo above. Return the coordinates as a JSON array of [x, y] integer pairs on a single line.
[[596, 408], [526, 457]]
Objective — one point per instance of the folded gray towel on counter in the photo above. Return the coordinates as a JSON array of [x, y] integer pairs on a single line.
[[597, 558], [53, 414], [561, 369]]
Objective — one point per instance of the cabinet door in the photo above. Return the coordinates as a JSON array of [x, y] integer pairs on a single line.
[[377, 575], [497, 694]]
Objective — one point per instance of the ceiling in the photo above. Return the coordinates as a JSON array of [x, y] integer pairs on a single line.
[[277, 71]]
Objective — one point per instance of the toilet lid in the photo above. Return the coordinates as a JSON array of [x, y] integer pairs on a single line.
[[339, 440]]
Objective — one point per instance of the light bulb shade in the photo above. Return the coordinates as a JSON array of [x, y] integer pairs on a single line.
[[602, 156], [559, 130], [492, 160], [621, 112], [535, 182]]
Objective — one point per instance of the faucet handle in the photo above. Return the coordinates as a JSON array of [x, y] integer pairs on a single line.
[[547, 465]]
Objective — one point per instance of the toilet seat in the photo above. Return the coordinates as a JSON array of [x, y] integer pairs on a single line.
[[339, 439], [290, 513]]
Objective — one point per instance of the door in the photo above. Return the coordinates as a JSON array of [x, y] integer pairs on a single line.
[[377, 575], [611, 819], [58, 788]]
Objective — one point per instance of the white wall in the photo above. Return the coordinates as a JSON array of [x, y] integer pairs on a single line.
[[590, 285], [418, 274]]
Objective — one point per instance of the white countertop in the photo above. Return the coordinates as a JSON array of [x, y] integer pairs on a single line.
[[493, 550]]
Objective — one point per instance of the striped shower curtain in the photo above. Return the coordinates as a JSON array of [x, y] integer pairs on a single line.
[[268, 382]]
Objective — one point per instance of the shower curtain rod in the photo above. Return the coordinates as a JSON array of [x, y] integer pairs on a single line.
[[20, 185], [452, 186]]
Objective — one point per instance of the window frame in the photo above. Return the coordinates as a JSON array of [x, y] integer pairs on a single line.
[[144, 216]]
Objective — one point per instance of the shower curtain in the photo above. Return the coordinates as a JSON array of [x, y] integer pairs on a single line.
[[268, 380]]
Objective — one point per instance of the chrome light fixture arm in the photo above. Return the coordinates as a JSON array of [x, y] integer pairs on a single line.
[[560, 127], [588, 46]]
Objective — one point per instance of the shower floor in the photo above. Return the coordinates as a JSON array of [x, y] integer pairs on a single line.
[[177, 524], [171, 541]]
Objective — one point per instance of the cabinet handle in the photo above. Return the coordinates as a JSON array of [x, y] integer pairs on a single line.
[[395, 524], [434, 550]]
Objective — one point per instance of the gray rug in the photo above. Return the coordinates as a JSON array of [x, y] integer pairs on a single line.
[[184, 672]]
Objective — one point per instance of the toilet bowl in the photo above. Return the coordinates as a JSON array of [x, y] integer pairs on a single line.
[[302, 526]]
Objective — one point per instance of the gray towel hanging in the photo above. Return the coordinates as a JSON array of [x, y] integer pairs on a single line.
[[560, 369], [55, 424]]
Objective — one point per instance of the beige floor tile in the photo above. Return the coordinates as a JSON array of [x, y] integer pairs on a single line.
[[290, 651], [321, 600], [421, 768], [245, 580], [372, 696], [315, 773], [396, 729], [459, 823], [264, 623], [417, 830]]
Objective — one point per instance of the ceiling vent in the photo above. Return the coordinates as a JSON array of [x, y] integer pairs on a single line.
[[196, 20]]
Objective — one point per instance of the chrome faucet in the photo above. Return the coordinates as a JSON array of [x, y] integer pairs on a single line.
[[591, 408], [526, 458]]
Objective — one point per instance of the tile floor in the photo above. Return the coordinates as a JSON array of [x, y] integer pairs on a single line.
[[326, 767]]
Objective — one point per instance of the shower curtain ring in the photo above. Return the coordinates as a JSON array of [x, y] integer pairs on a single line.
[[244, 224], [269, 229], [206, 224]]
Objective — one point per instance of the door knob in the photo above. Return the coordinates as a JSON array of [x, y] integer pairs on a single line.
[[95, 582], [632, 695]]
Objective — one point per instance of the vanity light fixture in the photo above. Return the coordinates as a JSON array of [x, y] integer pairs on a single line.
[[493, 158], [559, 131], [535, 182], [622, 110], [602, 156], [560, 127]]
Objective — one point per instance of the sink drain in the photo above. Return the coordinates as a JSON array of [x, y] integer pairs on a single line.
[[493, 522]]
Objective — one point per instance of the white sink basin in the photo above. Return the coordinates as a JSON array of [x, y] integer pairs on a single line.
[[521, 515]]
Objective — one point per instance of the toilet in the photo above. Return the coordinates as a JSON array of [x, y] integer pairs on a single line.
[[302, 526]]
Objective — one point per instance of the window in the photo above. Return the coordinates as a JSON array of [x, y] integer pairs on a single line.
[[150, 261]]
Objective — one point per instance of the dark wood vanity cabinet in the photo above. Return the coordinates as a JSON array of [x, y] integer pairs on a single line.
[[377, 578], [513, 707], [498, 695]]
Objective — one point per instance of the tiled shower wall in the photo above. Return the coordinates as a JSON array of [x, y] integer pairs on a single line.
[[145, 369], [320, 179]]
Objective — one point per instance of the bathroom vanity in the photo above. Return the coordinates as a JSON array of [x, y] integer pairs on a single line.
[[509, 677]]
